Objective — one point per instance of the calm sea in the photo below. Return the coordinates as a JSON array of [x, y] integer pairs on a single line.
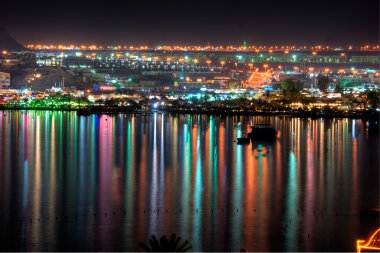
[[106, 183]]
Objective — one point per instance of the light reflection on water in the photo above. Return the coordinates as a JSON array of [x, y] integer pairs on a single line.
[[107, 182]]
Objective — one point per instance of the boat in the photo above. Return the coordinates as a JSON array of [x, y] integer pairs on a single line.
[[243, 140], [262, 132]]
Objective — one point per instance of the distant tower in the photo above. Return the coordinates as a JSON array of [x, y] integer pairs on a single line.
[[245, 45]]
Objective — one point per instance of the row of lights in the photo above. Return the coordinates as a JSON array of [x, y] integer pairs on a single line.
[[198, 48]]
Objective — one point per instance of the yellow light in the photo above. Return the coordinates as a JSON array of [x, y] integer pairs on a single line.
[[4, 52], [372, 243]]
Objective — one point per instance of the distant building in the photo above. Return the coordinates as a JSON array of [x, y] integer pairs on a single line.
[[296, 77], [77, 62], [23, 59], [5, 80], [148, 83]]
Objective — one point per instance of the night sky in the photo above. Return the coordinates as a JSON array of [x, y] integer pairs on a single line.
[[334, 22]]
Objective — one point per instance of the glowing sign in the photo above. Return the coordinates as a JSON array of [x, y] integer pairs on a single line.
[[107, 88], [373, 243]]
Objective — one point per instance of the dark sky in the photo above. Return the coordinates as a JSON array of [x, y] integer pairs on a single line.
[[335, 22]]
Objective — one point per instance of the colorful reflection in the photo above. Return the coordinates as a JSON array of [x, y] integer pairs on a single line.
[[104, 183]]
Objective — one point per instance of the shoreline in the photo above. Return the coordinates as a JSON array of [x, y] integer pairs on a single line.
[[315, 114]]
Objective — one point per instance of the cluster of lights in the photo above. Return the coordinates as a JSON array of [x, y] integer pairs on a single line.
[[33, 77], [83, 47]]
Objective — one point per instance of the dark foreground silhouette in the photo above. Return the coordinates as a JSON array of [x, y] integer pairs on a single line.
[[174, 244]]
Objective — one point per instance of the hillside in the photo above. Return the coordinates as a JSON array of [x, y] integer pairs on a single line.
[[8, 43]]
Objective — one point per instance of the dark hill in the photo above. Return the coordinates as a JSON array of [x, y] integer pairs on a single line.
[[8, 43]]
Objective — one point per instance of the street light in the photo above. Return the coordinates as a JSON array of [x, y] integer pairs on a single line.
[[250, 66], [265, 67], [195, 63]]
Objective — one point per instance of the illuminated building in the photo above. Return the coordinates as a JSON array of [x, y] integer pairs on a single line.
[[22, 59], [5, 79]]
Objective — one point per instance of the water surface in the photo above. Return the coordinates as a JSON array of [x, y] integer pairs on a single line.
[[91, 183]]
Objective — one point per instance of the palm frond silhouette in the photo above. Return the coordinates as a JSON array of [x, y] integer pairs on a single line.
[[174, 244]]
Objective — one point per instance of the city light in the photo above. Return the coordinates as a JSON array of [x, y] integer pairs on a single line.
[[193, 126], [264, 48]]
